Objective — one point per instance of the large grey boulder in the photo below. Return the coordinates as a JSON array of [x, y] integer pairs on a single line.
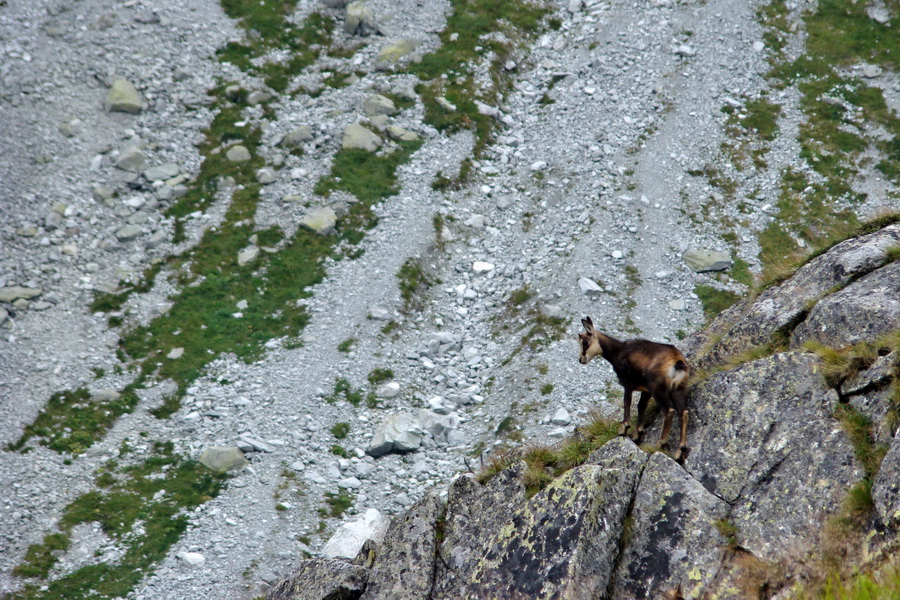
[[398, 433], [404, 566], [674, 542], [123, 97], [767, 443], [320, 220], [357, 136], [863, 311], [322, 579], [781, 307]]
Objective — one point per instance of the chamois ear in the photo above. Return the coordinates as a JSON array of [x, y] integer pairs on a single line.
[[588, 324]]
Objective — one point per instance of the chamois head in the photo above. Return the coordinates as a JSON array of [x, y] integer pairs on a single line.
[[590, 344]]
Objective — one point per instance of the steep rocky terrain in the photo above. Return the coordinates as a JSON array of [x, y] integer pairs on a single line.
[[201, 249], [768, 503]]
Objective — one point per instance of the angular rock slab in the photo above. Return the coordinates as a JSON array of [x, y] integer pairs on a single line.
[[701, 261], [123, 97], [886, 488], [400, 433], [404, 567], [320, 220], [357, 136], [674, 542], [322, 579], [223, 460], [863, 311], [391, 54], [564, 541], [781, 306], [763, 439]]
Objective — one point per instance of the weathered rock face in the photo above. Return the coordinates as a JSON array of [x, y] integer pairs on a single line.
[[864, 310], [563, 542], [780, 308], [405, 566], [675, 543], [766, 442]]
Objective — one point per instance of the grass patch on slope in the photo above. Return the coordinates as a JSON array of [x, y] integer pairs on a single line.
[[841, 114], [546, 463], [476, 31], [141, 508]]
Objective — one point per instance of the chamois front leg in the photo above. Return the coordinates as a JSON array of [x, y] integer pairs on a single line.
[[642, 408], [626, 420]]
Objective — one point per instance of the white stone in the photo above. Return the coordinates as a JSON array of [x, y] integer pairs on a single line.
[[589, 287], [247, 255], [175, 354], [482, 267], [389, 390], [617, 254], [195, 559], [348, 540], [561, 417], [677, 304], [539, 165]]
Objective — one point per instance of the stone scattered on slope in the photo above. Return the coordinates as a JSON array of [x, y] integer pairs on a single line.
[[589, 287], [238, 154], [223, 460], [398, 433], [321, 220], [390, 55], [357, 136], [247, 255], [194, 559], [123, 97], [707, 260], [359, 19], [13, 293], [395, 132], [161, 172], [131, 159], [129, 233], [348, 540], [376, 104], [297, 137]]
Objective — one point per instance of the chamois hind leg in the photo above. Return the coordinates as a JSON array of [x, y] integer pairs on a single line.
[[626, 420], [680, 398], [642, 408], [667, 426], [681, 453]]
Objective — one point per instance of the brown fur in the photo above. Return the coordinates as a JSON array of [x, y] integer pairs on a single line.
[[651, 368]]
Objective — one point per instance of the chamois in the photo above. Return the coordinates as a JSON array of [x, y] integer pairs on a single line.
[[653, 369]]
